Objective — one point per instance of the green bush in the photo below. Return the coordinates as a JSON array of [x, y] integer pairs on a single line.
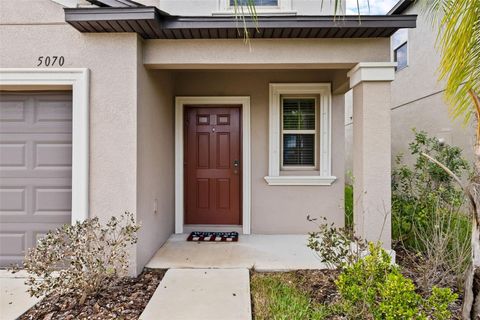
[[336, 247], [419, 190], [373, 287], [428, 212]]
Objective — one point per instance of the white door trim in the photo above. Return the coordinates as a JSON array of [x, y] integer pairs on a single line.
[[179, 157], [78, 80]]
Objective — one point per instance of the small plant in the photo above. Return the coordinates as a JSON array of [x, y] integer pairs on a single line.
[[348, 203], [81, 259], [373, 287], [336, 247]]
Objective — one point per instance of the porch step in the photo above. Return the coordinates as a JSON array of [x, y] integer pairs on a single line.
[[262, 252], [193, 294]]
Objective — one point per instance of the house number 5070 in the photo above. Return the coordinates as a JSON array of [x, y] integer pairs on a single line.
[[50, 61]]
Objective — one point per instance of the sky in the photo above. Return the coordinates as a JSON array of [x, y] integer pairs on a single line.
[[376, 6]]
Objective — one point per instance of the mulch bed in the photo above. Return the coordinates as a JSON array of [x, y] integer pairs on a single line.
[[125, 300], [318, 284]]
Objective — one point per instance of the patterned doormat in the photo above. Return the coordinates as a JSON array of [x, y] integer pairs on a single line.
[[213, 236]]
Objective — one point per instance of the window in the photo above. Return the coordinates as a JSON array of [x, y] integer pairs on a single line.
[[299, 132], [255, 2], [399, 45], [400, 56], [227, 7]]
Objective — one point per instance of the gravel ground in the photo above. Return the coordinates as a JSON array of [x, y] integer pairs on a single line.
[[124, 300]]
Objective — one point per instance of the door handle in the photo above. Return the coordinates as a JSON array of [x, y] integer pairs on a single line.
[[236, 163]]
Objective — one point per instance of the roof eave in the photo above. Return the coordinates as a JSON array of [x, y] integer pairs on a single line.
[[152, 23], [400, 7]]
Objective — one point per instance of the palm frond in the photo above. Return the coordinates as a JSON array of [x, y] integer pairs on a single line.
[[459, 42]]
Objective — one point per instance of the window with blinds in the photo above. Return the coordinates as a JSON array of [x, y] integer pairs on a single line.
[[299, 132]]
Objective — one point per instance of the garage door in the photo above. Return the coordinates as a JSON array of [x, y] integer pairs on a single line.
[[35, 168]]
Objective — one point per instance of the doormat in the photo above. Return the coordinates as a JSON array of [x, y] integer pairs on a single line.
[[213, 236]]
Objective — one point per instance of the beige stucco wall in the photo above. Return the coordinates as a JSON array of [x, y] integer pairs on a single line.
[[417, 95], [371, 161], [131, 111], [417, 98], [112, 94], [264, 53], [155, 161], [275, 209], [118, 181]]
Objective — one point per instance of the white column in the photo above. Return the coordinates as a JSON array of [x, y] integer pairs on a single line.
[[372, 150]]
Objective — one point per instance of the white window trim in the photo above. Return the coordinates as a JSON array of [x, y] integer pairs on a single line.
[[324, 176], [284, 8], [179, 155], [78, 80]]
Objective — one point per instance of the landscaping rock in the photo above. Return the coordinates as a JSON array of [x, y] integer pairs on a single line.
[[124, 300]]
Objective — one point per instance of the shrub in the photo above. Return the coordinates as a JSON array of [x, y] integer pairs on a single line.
[[373, 287], [428, 212], [336, 247], [81, 259], [417, 191]]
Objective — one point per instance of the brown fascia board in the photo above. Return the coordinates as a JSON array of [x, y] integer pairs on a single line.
[[160, 23], [110, 14], [400, 7], [175, 22]]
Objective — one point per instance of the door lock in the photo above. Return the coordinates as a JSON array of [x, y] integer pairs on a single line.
[[236, 163]]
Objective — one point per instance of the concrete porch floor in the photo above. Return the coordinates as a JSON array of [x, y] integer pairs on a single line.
[[261, 252]]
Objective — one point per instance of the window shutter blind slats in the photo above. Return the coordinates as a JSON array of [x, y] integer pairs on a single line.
[[299, 130], [299, 149], [299, 114]]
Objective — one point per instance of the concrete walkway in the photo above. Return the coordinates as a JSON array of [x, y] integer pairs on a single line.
[[201, 294], [14, 299], [261, 252]]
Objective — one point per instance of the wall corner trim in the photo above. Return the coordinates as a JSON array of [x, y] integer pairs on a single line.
[[78, 80], [371, 71]]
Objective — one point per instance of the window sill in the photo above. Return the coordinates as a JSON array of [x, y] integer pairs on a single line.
[[300, 180]]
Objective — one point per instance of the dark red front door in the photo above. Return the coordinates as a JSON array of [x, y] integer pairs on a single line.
[[212, 165]]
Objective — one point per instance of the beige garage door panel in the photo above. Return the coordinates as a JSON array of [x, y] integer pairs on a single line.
[[35, 169]]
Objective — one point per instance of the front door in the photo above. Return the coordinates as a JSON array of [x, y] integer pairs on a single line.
[[212, 165]]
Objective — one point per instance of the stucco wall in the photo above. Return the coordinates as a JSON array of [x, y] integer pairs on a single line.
[[264, 53], [276, 209], [417, 95], [155, 161], [29, 32]]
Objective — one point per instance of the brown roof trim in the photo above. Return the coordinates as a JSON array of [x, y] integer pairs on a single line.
[[400, 7], [151, 23]]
